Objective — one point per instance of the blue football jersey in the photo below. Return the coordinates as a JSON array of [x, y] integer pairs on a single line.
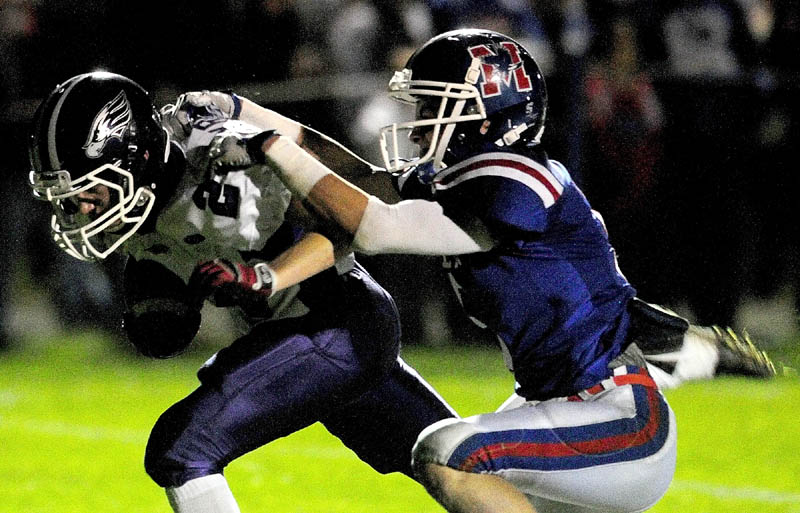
[[550, 289]]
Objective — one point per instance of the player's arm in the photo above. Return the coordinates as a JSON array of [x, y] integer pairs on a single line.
[[329, 151], [326, 149], [237, 283], [412, 226], [312, 254], [240, 283]]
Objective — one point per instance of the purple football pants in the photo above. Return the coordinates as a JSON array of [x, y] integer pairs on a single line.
[[338, 365]]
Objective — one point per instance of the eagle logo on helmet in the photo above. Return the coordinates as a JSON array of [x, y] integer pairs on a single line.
[[110, 123]]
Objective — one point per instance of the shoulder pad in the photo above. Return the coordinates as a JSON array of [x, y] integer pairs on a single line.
[[539, 178]]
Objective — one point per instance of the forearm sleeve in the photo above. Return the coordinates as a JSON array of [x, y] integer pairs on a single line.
[[267, 119], [417, 227]]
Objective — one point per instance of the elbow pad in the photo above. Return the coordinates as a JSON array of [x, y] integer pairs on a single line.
[[161, 328]]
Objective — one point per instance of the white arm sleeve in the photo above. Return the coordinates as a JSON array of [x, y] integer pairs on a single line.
[[417, 227], [267, 119]]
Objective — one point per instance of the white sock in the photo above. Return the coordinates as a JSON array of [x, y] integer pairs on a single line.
[[699, 355], [663, 379], [696, 360], [207, 494]]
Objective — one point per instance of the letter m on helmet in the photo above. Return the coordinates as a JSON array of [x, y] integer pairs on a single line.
[[494, 76]]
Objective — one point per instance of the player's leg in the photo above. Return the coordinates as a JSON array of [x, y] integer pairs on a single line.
[[464, 492], [677, 351], [382, 425], [613, 450], [281, 377], [207, 494], [264, 386]]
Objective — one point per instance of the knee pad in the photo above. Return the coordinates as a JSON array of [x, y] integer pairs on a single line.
[[437, 442], [172, 457]]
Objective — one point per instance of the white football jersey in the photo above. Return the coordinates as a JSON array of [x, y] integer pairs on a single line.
[[218, 216]]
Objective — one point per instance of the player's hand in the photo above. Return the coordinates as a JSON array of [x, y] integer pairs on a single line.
[[227, 103], [228, 153], [179, 117], [176, 121], [231, 152], [230, 283]]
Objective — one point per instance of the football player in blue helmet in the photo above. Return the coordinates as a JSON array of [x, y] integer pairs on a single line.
[[587, 427], [480, 91], [198, 223]]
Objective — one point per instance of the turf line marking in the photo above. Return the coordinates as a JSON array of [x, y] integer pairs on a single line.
[[736, 493]]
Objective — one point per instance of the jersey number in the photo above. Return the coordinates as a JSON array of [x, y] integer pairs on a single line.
[[221, 199]]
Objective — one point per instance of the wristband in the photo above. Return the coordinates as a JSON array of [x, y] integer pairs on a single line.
[[264, 277], [254, 145], [237, 106], [237, 103]]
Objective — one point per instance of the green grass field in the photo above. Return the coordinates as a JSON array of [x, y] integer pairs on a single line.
[[75, 416]]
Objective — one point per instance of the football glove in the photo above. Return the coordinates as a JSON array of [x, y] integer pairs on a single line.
[[227, 103], [231, 152], [178, 117], [231, 283]]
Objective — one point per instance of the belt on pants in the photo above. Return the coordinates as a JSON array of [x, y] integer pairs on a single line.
[[623, 375]]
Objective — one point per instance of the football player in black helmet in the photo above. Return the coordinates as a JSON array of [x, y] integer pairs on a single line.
[[98, 129], [169, 193]]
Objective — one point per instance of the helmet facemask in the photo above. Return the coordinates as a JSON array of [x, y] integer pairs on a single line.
[[457, 103], [87, 237]]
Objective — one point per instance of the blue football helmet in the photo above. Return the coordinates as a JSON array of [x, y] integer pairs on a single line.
[[97, 129], [477, 90]]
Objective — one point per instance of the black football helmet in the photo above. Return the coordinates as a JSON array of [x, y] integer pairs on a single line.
[[485, 90], [95, 129]]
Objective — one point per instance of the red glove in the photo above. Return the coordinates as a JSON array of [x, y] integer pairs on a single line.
[[230, 283]]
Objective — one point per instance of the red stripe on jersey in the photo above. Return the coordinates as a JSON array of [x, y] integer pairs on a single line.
[[560, 450], [519, 166]]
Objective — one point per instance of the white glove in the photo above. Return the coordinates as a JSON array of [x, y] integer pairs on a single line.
[[227, 103], [189, 106]]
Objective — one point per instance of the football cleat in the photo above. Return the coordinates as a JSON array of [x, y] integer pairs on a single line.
[[739, 356]]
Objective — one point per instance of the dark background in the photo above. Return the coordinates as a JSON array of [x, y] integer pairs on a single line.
[[678, 119]]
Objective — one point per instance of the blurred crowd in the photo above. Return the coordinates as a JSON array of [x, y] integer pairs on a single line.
[[678, 119]]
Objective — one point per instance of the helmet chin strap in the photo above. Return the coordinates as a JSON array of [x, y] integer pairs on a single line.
[[471, 77], [444, 140]]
